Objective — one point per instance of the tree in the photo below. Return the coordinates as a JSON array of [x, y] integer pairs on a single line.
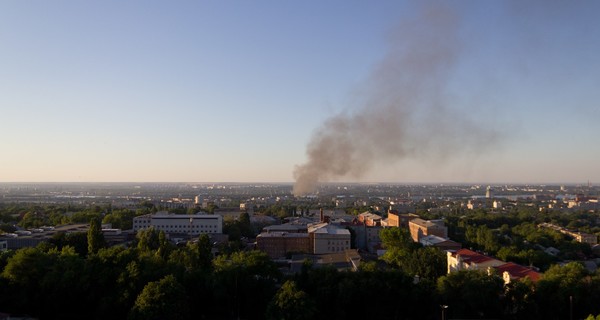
[[95, 237], [519, 299], [247, 277], [562, 284], [148, 240], [290, 303], [471, 293], [163, 299], [204, 251], [396, 238]]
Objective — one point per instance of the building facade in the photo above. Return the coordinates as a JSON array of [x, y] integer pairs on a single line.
[[192, 224], [278, 244], [327, 238], [465, 259], [396, 219], [420, 228], [370, 219]]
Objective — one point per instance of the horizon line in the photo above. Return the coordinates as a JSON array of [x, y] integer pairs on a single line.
[[292, 182]]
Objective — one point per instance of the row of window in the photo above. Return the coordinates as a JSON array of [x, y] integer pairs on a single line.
[[186, 227], [336, 249], [337, 242]]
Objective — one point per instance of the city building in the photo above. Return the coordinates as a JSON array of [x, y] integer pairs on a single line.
[[440, 243], [497, 204], [489, 192], [192, 224], [370, 219], [396, 219], [514, 272], [286, 227], [420, 228], [582, 237], [465, 259], [278, 244], [327, 238]]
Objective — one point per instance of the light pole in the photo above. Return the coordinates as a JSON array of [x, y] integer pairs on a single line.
[[443, 307], [571, 307]]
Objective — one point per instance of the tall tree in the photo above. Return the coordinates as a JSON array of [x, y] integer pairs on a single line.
[[95, 237]]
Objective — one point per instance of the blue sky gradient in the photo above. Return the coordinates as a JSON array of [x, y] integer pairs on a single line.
[[233, 90]]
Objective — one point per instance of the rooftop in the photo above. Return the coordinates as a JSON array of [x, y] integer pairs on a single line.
[[472, 257], [517, 271]]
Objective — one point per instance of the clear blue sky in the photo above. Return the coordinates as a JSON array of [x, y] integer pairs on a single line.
[[233, 90]]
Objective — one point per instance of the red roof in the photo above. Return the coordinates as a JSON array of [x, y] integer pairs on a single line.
[[518, 271], [469, 256]]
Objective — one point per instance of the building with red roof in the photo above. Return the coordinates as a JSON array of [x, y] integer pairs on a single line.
[[465, 259], [512, 271]]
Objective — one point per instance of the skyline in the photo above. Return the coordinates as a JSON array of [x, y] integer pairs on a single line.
[[233, 92]]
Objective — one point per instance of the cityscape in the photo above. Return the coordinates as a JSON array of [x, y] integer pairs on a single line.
[[517, 244], [299, 160]]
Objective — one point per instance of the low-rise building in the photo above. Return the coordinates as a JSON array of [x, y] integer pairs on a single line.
[[582, 237], [465, 259], [514, 272], [440, 243]]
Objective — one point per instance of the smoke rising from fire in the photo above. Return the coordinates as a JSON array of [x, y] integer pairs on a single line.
[[406, 111]]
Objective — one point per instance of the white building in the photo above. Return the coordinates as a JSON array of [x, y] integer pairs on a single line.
[[497, 204], [193, 224], [327, 238]]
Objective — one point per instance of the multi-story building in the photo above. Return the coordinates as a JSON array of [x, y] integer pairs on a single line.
[[419, 228], [278, 244], [396, 219], [192, 224], [489, 192], [370, 219], [327, 238]]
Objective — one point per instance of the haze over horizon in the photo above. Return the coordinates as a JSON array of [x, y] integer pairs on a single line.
[[235, 91]]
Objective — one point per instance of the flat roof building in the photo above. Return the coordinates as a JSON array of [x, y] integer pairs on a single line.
[[192, 224], [278, 244], [420, 228], [327, 238]]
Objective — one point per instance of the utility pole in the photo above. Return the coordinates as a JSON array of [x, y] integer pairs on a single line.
[[443, 307], [571, 307]]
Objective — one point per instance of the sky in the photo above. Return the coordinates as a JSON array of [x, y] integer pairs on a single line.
[[235, 91]]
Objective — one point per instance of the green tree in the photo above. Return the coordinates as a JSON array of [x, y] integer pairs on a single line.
[[471, 294], [204, 248], [95, 237], [148, 240], [163, 299], [290, 303], [396, 238], [244, 283]]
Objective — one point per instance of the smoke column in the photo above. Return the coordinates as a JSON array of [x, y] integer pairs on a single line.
[[406, 112]]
